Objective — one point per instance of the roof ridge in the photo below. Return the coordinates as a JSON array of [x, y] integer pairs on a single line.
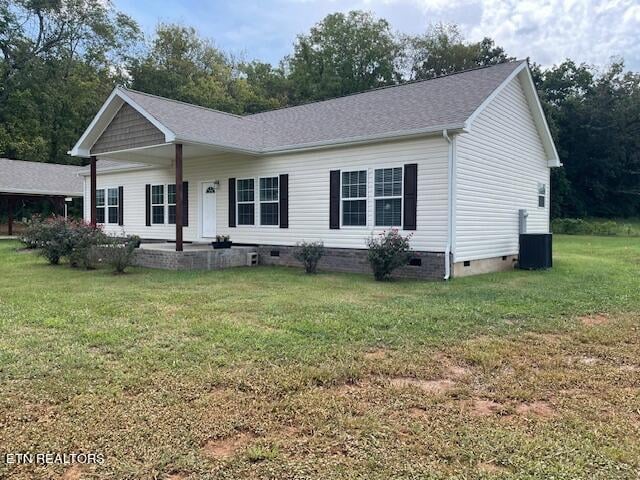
[[383, 87], [180, 101]]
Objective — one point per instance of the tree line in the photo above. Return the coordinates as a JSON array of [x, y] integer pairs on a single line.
[[59, 61]]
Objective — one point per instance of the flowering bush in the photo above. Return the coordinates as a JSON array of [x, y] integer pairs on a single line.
[[84, 240], [309, 253], [51, 235], [388, 251], [118, 252]]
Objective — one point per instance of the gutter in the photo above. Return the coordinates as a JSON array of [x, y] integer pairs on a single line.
[[450, 202]]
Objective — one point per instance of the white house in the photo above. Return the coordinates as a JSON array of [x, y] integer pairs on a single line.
[[451, 160]]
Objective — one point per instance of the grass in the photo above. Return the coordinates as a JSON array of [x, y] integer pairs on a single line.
[[270, 373]]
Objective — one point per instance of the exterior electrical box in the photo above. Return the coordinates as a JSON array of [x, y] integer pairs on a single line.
[[535, 251]]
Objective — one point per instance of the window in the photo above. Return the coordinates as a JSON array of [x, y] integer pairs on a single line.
[[112, 204], [100, 206], [542, 194], [269, 198], [171, 204], [354, 198], [157, 204], [388, 197], [246, 201]]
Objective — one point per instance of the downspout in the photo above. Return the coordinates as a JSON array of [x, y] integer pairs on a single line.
[[450, 204]]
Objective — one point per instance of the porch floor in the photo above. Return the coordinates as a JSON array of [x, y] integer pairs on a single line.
[[187, 247]]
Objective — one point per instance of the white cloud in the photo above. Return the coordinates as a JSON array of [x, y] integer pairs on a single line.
[[548, 31]]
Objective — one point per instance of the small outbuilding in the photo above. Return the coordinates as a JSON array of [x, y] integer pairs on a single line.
[[22, 181]]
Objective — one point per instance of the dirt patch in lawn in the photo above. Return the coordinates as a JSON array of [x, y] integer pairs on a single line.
[[456, 371], [481, 407], [591, 320], [223, 448], [537, 409], [492, 468], [435, 387], [73, 473]]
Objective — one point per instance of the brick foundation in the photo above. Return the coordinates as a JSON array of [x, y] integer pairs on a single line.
[[204, 259], [355, 261]]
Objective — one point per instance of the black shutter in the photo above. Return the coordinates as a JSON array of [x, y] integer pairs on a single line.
[[148, 204], [410, 196], [232, 202], [334, 199], [284, 201], [121, 206], [185, 204]]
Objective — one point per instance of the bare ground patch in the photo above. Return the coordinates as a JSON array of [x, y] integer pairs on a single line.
[[481, 407], [538, 408], [596, 319], [73, 473], [224, 448], [435, 387]]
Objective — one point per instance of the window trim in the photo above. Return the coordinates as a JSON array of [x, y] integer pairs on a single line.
[[382, 197], [108, 207], [163, 204], [170, 204], [542, 195], [277, 201], [366, 199], [238, 203], [105, 206]]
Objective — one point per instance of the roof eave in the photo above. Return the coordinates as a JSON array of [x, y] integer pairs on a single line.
[[50, 193], [387, 136]]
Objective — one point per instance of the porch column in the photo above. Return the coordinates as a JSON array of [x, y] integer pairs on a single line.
[[93, 206], [10, 205], [179, 201]]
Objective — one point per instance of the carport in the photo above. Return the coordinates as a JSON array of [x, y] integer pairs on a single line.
[[22, 181]]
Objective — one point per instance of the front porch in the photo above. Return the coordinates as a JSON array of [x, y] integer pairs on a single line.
[[194, 256]]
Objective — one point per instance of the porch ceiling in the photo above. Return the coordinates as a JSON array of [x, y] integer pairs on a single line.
[[163, 154]]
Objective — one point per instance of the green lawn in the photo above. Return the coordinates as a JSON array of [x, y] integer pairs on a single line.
[[271, 373]]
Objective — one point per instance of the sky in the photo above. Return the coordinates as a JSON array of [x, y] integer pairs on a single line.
[[547, 31]]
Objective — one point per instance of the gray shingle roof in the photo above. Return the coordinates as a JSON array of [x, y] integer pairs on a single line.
[[36, 178], [443, 102]]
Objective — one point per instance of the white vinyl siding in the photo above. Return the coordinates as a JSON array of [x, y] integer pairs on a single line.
[[500, 165], [308, 193]]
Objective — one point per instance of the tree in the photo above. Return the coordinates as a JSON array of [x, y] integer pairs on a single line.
[[58, 61], [595, 120], [181, 65], [443, 50], [344, 53]]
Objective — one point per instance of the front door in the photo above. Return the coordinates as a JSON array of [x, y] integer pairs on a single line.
[[208, 210]]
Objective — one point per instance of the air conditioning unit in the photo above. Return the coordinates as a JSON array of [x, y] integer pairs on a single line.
[[535, 251]]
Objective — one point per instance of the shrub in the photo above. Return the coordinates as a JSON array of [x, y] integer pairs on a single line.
[[32, 232], [84, 240], [579, 226], [118, 252], [388, 251], [309, 253], [51, 236]]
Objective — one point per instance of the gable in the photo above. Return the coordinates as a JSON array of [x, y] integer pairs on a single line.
[[128, 129]]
